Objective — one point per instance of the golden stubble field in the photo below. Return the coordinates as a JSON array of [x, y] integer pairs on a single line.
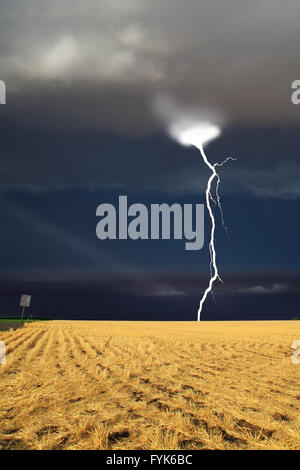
[[150, 385]]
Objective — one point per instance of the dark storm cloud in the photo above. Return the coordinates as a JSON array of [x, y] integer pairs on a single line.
[[152, 284], [233, 55], [50, 158], [75, 70]]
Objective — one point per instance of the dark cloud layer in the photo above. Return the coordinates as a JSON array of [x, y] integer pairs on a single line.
[[156, 284], [82, 78], [47, 158], [111, 58], [156, 297]]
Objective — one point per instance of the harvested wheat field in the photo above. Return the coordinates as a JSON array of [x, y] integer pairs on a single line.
[[150, 385]]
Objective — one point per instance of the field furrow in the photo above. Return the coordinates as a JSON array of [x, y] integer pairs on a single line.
[[127, 385]]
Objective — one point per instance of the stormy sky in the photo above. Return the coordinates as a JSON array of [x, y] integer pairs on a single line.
[[80, 127]]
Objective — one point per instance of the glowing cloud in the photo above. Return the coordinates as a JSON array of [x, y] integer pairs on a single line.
[[194, 134], [58, 59]]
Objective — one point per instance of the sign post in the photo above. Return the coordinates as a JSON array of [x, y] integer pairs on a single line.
[[24, 302]]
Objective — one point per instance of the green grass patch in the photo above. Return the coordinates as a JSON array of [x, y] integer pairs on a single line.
[[25, 320]]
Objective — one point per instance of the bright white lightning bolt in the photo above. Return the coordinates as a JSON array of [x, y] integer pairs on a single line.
[[198, 135]]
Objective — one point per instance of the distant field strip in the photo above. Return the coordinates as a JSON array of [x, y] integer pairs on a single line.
[[150, 385]]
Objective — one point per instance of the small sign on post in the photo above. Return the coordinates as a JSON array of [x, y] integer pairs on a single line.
[[24, 302]]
